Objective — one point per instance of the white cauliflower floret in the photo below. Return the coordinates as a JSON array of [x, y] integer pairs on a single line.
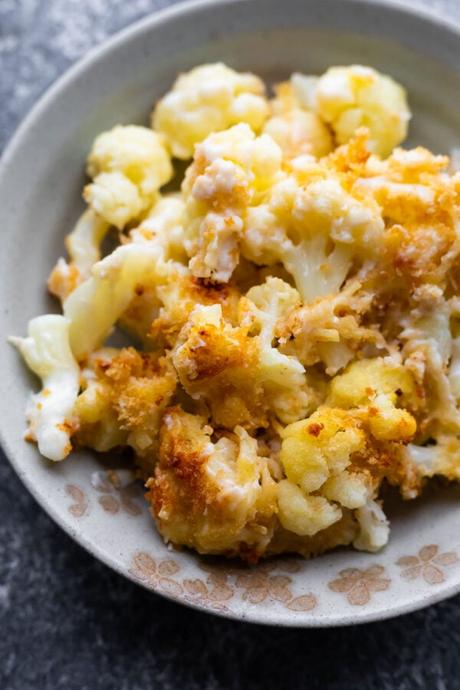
[[441, 457], [351, 97], [83, 245], [315, 231], [114, 197], [304, 515], [299, 132], [283, 376], [98, 425], [49, 413], [231, 170], [324, 211], [330, 330], [128, 165], [165, 225], [84, 242], [374, 528], [350, 489], [428, 342], [209, 98], [95, 306]]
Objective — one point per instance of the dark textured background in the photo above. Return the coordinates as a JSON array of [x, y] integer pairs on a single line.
[[66, 621]]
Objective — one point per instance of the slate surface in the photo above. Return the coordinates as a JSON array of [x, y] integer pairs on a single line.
[[66, 621]]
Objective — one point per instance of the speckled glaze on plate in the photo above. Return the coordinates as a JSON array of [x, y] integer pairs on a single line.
[[41, 177]]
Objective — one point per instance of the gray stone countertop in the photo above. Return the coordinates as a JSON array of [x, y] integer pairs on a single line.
[[66, 621]]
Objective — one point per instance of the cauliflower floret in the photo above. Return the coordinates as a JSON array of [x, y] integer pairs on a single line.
[[325, 212], [325, 454], [428, 341], [304, 515], [128, 165], [209, 98], [374, 528], [95, 306], [164, 225], [49, 413], [235, 370], [180, 297], [97, 422], [351, 97], [83, 245], [163, 228], [123, 400], [216, 497], [315, 230], [418, 200], [350, 489], [376, 384], [329, 330], [218, 364], [230, 171], [314, 448], [439, 458], [114, 197], [283, 376], [299, 132]]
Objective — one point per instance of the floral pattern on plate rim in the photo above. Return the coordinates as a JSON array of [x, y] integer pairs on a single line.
[[359, 584], [117, 492], [221, 584], [80, 505], [428, 563]]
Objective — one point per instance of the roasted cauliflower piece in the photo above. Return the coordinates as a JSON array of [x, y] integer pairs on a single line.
[[50, 413], [125, 394], [97, 304], [351, 97], [83, 245], [283, 377], [314, 448], [330, 330], [316, 228], [218, 364], [231, 170], [296, 130], [213, 496], [128, 165], [329, 469], [209, 98], [304, 515], [180, 297], [376, 385], [164, 226]]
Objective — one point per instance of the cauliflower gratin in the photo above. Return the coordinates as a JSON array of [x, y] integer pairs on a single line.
[[294, 313]]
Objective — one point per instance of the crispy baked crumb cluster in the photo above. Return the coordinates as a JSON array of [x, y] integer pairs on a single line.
[[294, 310]]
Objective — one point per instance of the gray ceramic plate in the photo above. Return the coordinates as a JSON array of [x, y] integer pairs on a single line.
[[40, 184]]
